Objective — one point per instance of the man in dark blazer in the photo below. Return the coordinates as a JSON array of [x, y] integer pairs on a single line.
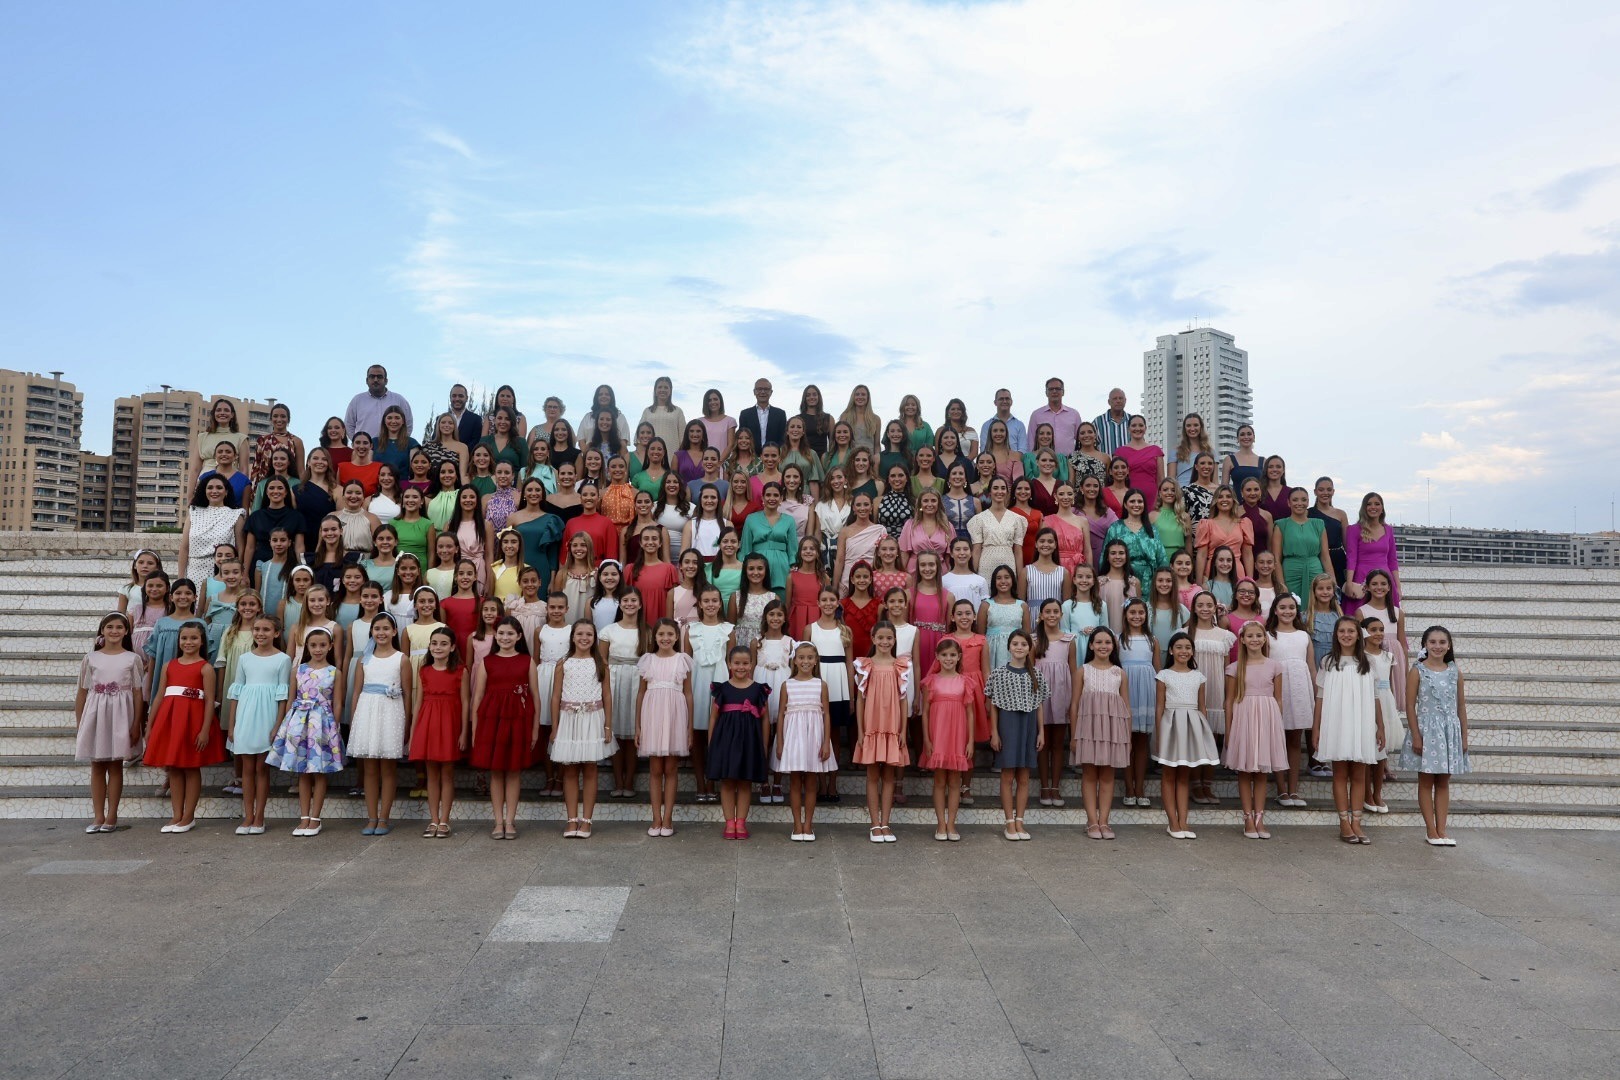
[[469, 425], [774, 428]]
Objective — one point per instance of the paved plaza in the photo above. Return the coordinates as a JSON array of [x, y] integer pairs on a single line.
[[138, 955]]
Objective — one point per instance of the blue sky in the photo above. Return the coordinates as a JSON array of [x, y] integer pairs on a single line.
[[1409, 214]]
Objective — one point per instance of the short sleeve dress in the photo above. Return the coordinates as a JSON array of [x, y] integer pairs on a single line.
[[260, 686], [1183, 738], [736, 746], [109, 681], [948, 699], [664, 717], [883, 716], [1254, 725]]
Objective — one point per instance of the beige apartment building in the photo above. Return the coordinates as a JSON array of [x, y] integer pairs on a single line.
[[40, 421], [147, 470]]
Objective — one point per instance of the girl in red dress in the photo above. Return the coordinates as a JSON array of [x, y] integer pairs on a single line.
[[460, 608], [506, 721], [805, 583], [439, 735], [861, 609], [181, 735]]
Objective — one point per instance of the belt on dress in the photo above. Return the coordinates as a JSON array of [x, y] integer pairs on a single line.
[[931, 626], [663, 684], [616, 662], [307, 703], [191, 692], [581, 706], [107, 688], [828, 658], [384, 689]]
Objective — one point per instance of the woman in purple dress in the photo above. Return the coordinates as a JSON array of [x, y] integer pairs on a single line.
[[1369, 545]]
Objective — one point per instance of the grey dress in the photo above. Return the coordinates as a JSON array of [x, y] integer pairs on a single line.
[[1435, 717]]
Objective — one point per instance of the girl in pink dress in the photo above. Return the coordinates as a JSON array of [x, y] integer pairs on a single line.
[[664, 719], [949, 699], [1254, 726], [805, 582], [1056, 659], [107, 714], [930, 606], [1145, 459], [880, 727], [1102, 730]]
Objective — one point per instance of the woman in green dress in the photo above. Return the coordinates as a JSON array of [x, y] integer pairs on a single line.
[[1300, 545], [772, 534]]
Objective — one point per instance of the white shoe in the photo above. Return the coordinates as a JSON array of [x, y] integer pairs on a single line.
[[182, 828], [941, 836], [244, 830], [300, 832], [167, 828], [1448, 841], [809, 837], [888, 835], [1188, 834]]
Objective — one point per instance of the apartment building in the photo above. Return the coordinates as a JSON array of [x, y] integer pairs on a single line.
[[40, 421]]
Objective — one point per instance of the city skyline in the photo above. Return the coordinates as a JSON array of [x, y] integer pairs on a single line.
[[1401, 216]]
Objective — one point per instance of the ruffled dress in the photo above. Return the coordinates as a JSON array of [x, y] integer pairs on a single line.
[[736, 746], [883, 719], [948, 699], [664, 716], [1292, 652], [577, 729], [1103, 734]]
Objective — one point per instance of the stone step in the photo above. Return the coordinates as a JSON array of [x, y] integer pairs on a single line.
[[1514, 607], [1472, 625], [1525, 788], [1570, 736], [62, 663], [1414, 592], [37, 741], [99, 566], [1533, 575], [43, 688], [1554, 711], [1477, 664], [107, 587], [1530, 688], [1502, 637], [55, 622], [42, 641], [53, 600], [768, 823]]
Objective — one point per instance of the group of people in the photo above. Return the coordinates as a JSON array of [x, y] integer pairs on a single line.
[[773, 599]]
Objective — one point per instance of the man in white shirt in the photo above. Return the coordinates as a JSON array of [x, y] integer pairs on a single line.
[[1016, 436], [1064, 420], [365, 411], [767, 423]]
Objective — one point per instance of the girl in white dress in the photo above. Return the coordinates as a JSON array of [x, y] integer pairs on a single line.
[[1291, 649], [773, 656], [551, 644], [707, 641], [380, 701], [1390, 683], [1182, 740], [832, 641], [621, 645], [802, 747], [1348, 727], [581, 734], [1213, 645]]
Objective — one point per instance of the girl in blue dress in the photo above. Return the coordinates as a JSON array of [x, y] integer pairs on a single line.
[[1139, 655]]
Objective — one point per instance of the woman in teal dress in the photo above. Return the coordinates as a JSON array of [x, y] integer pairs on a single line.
[[1136, 533], [504, 443], [540, 530], [1299, 542], [1044, 439], [772, 534]]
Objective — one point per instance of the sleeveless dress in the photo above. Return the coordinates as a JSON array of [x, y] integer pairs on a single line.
[[708, 648], [664, 719], [1436, 718], [1137, 657], [1054, 668], [928, 616], [772, 665], [259, 688], [1211, 652], [1292, 653], [804, 729], [378, 728], [1042, 585], [804, 591], [172, 742], [310, 741], [110, 682], [1183, 738], [834, 672], [624, 649], [883, 719], [948, 699], [1254, 728], [579, 588], [553, 645], [437, 734], [999, 624], [1103, 735], [1383, 667], [748, 620], [577, 735]]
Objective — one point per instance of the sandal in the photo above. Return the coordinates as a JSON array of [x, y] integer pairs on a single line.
[[1355, 824], [1249, 831], [1260, 824], [1010, 831], [585, 830], [1344, 824]]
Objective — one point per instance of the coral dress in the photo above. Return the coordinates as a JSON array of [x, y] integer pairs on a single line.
[[804, 591], [883, 720], [948, 699], [110, 682], [437, 735], [173, 740], [503, 735]]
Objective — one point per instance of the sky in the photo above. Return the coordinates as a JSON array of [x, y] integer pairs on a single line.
[[1409, 215]]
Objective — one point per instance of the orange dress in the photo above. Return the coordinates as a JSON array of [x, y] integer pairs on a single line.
[[173, 741]]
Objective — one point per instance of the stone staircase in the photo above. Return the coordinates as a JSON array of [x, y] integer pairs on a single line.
[[1540, 649]]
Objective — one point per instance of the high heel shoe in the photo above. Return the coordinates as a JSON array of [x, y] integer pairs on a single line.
[[1248, 826], [1355, 825]]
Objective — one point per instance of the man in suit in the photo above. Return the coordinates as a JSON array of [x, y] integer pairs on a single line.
[[767, 423], [469, 425]]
